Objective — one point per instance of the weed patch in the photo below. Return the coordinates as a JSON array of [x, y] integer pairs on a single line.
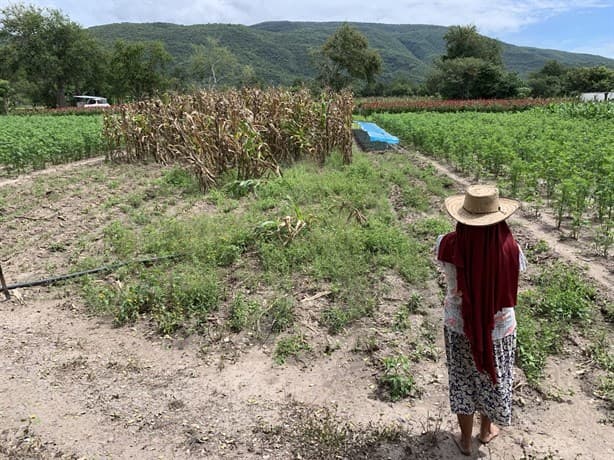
[[560, 299], [244, 314], [180, 299], [332, 225], [320, 433], [290, 346]]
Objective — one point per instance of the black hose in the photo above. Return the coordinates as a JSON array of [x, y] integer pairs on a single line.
[[106, 268]]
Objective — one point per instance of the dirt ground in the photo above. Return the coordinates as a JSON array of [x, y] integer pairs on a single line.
[[73, 386]]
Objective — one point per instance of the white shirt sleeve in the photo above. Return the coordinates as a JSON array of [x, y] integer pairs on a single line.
[[522, 260]]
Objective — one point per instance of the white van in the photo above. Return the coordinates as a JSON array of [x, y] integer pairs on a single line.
[[91, 101]]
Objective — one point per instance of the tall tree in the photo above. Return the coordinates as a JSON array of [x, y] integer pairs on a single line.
[[212, 64], [346, 57], [549, 80], [52, 52], [465, 41], [471, 68], [472, 78], [589, 79], [4, 97], [138, 69]]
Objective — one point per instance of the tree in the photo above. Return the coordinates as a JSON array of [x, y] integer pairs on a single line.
[[138, 69], [48, 49], [465, 41], [400, 86], [471, 68], [346, 57], [549, 80], [4, 97], [589, 79], [471, 78], [213, 64]]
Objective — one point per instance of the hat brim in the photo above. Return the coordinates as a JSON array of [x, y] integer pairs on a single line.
[[454, 206]]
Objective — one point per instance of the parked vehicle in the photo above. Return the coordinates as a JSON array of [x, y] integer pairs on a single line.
[[91, 102]]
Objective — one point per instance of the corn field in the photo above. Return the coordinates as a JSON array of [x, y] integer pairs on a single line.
[[251, 131]]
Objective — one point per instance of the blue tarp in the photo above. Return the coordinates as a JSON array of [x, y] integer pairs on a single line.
[[377, 134]]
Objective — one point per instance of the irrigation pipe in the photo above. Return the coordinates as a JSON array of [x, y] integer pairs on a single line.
[[105, 268]]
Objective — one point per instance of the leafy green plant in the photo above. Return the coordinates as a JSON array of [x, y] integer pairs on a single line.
[[401, 320], [281, 314], [604, 239], [397, 378], [536, 341], [241, 188], [290, 346], [243, 313], [369, 344], [180, 178], [431, 227], [415, 303], [187, 296], [345, 257], [411, 307], [600, 351], [564, 293], [335, 319], [605, 389]]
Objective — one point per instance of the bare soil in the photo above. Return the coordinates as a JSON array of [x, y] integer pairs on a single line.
[[73, 386]]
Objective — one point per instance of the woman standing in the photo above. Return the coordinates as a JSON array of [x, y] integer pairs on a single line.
[[481, 261]]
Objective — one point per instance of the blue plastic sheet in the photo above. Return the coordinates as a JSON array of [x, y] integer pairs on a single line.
[[377, 134]]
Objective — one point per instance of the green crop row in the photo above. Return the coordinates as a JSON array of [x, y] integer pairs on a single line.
[[559, 157], [36, 141], [599, 110]]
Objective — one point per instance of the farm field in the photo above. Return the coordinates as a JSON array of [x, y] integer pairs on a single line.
[[301, 320], [368, 105], [35, 141], [558, 159]]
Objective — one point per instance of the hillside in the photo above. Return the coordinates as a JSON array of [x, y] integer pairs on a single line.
[[279, 51]]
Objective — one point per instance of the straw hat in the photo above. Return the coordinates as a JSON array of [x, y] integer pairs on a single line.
[[480, 205]]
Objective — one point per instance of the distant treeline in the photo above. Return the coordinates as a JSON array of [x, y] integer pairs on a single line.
[[45, 58]]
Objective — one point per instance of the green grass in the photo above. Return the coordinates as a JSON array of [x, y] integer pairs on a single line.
[[560, 300]]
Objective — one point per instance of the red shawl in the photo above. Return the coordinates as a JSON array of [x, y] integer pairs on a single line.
[[486, 260]]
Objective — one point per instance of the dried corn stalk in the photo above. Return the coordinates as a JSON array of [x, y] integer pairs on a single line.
[[251, 131]]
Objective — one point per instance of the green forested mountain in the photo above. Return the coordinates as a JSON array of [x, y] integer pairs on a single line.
[[279, 51]]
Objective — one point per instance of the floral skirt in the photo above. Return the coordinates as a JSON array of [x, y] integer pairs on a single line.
[[472, 391]]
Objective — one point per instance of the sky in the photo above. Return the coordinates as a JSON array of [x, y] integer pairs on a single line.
[[582, 26]]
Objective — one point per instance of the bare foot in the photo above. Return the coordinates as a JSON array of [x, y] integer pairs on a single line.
[[487, 436], [464, 447]]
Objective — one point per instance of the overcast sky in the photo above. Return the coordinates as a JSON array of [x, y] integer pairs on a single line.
[[578, 26]]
